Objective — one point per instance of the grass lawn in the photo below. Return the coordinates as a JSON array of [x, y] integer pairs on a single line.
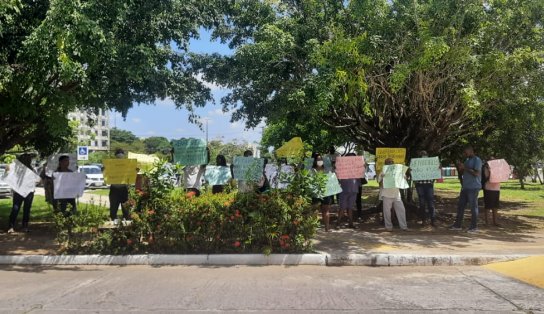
[[102, 192], [41, 211]]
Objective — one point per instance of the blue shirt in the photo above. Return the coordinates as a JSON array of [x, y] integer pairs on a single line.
[[471, 181]]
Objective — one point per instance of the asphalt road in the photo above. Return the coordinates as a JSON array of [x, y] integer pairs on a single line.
[[271, 289]]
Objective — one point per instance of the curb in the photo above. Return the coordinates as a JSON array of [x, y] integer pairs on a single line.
[[370, 259]]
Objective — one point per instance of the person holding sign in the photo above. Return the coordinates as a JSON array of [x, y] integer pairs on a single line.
[[390, 193], [324, 202], [220, 161], [347, 200], [20, 200], [64, 166], [470, 188], [425, 196], [119, 194], [492, 193]]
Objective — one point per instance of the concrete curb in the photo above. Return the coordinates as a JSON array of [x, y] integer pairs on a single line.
[[370, 259], [384, 259]]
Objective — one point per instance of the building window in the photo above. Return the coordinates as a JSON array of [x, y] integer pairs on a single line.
[[104, 133], [103, 122], [104, 143]]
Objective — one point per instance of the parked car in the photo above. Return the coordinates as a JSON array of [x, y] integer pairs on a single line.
[[95, 178], [5, 190]]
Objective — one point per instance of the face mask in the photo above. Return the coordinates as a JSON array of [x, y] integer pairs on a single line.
[[320, 163]]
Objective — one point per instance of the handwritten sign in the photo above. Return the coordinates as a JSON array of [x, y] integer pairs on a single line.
[[382, 153], [279, 179], [332, 186], [53, 163], [68, 185], [425, 169], [190, 152], [293, 148], [20, 178], [145, 162], [120, 171], [308, 163], [394, 177], [248, 168], [352, 167], [499, 171], [217, 175]]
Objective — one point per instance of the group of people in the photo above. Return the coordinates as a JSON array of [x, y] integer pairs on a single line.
[[473, 174]]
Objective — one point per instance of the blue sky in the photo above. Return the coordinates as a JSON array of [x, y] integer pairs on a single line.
[[163, 119]]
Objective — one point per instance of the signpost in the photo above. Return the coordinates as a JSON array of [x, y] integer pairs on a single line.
[[82, 153]]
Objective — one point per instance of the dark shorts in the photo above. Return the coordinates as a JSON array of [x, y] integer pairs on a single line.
[[347, 200], [329, 200], [491, 199]]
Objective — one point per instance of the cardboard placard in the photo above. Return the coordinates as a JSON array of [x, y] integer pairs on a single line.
[[394, 177], [217, 175], [382, 153], [352, 167], [425, 169], [20, 178], [293, 148], [499, 171], [248, 168], [68, 184], [190, 152], [120, 171]]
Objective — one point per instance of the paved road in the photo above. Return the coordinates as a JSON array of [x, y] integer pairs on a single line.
[[263, 290]]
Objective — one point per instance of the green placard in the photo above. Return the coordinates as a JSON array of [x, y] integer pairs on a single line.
[[425, 169], [190, 152], [248, 168], [217, 175], [327, 163], [394, 177], [308, 163]]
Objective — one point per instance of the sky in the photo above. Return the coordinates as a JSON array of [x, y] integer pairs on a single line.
[[163, 119]]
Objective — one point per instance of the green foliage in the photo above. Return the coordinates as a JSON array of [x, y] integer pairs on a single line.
[[229, 150], [421, 75], [123, 136], [157, 144], [166, 220], [59, 55]]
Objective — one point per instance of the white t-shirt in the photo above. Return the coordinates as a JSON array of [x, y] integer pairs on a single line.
[[193, 176]]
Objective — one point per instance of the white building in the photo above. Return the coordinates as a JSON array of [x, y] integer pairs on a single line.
[[93, 129]]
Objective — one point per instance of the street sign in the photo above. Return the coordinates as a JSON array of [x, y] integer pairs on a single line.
[[82, 153]]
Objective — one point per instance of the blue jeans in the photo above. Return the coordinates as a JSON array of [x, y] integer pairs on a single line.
[[18, 201], [470, 197], [425, 195]]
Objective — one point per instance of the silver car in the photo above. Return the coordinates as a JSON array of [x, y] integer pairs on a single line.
[[5, 190]]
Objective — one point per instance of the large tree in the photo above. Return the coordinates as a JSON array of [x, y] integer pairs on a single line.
[[418, 74], [59, 55]]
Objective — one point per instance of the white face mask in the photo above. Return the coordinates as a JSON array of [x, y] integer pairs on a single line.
[[320, 163]]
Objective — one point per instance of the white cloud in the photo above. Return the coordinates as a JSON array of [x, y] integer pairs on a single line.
[[235, 125], [136, 120], [217, 112], [204, 119]]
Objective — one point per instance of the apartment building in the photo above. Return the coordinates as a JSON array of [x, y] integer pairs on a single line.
[[93, 129]]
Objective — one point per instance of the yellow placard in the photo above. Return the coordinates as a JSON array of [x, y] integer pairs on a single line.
[[382, 153], [145, 162], [120, 171], [293, 148]]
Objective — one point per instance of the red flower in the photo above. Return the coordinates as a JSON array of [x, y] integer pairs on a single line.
[[191, 194], [151, 212], [285, 237], [236, 244], [129, 242]]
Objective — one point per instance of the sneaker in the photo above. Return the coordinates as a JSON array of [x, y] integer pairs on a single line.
[[11, 231], [472, 230], [454, 228], [116, 222]]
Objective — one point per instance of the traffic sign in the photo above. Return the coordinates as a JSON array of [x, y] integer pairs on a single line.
[[82, 153]]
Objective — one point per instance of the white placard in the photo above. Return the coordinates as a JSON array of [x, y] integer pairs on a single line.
[[53, 163], [68, 185], [21, 179], [275, 179]]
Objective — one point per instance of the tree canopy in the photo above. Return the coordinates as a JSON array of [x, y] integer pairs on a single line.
[[59, 55], [415, 74]]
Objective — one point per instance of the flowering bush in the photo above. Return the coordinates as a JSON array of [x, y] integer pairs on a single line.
[[166, 220]]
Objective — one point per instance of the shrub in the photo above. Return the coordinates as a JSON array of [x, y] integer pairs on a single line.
[[166, 220]]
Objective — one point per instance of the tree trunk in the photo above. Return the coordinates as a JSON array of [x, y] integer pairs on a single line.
[[522, 183]]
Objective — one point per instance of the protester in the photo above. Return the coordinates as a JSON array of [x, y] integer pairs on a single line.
[[18, 200], [492, 192], [471, 186], [245, 186], [220, 161], [64, 164], [347, 200], [425, 195], [325, 202], [48, 186], [118, 195], [193, 177], [391, 199]]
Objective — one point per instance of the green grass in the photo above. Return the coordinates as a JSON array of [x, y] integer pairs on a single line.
[[102, 192], [41, 211]]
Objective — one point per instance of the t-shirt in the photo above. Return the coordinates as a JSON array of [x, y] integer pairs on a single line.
[[193, 176], [388, 193], [471, 181]]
